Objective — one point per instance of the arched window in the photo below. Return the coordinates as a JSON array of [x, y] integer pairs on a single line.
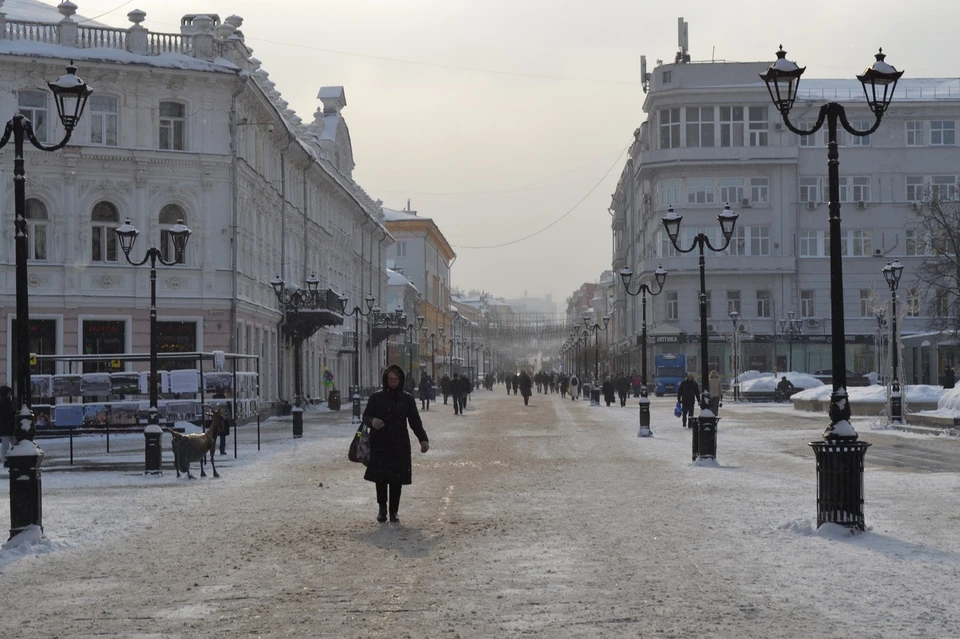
[[36, 230], [105, 218], [170, 215]]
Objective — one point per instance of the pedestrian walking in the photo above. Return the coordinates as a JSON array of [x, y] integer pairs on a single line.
[[455, 390], [635, 383], [426, 387], [688, 394], [388, 414], [466, 387], [516, 383], [609, 395], [949, 377], [716, 392], [562, 382], [445, 387], [574, 387], [623, 388], [8, 422], [219, 394], [525, 387]]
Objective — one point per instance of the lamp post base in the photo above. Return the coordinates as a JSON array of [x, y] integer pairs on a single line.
[[152, 451], [26, 495], [297, 414], [707, 435], [356, 408], [896, 407], [645, 418]]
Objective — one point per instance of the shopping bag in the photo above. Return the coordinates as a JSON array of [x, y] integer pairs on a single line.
[[359, 450], [678, 410]]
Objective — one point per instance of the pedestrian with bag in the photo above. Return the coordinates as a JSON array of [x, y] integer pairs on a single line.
[[688, 394], [716, 392], [607, 388], [388, 414], [445, 387]]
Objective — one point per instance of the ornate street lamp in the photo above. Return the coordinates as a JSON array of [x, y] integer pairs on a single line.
[[26, 499], [595, 329], [892, 273], [791, 326], [705, 427], [127, 236], [357, 313], [735, 347], [661, 276]]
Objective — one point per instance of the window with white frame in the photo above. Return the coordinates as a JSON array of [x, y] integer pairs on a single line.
[[861, 189], [914, 302], [943, 187], [759, 240], [708, 307], [915, 188], [173, 122], [843, 183], [916, 243], [807, 140], [862, 140], [810, 244], [943, 132], [33, 106], [104, 122], [738, 242], [701, 190], [759, 126], [731, 126], [808, 306], [866, 302], [731, 191], [733, 302], [665, 247], [673, 305], [668, 192], [669, 128], [764, 304], [841, 136], [37, 220], [760, 190], [104, 219], [914, 133], [941, 303], [855, 243], [810, 189], [401, 249], [700, 126], [169, 215]]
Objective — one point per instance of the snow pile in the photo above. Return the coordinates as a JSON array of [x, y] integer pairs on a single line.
[[950, 400], [748, 375], [808, 528], [767, 382], [918, 393], [29, 542]]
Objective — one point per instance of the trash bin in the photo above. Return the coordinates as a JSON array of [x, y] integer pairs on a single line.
[[840, 482], [694, 424], [333, 400], [595, 396], [286, 408]]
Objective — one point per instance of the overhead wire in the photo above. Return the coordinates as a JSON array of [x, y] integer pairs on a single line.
[[105, 13]]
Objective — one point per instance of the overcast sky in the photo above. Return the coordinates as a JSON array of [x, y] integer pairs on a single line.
[[496, 117]]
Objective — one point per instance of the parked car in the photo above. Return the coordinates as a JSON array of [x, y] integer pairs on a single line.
[[825, 375]]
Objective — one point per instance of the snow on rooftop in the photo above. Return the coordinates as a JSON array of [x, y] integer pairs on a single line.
[[911, 89], [390, 215], [35, 11], [167, 60], [396, 279]]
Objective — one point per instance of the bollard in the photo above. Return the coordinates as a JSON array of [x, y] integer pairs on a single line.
[[297, 413], [644, 415], [707, 437], [694, 424], [594, 396], [840, 482], [896, 405], [356, 407], [26, 495], [152, 454]]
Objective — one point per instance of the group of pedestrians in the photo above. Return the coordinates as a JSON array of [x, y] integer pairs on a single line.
[[688, 395], [457, 388]]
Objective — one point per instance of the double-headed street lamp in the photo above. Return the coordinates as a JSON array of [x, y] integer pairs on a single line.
[[410, 336], [433, 338], [127, 236], [595, 329], [705, 430], [735, 347], [70, 94], [357, 313], [791, 327], [835, 503], [892, 273], [661, 276]]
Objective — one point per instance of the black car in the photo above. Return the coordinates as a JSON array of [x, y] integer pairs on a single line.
[[825, 375]]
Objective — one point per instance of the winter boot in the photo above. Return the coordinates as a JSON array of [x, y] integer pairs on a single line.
[[382, 515]]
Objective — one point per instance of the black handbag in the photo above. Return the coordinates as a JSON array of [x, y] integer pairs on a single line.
[[359, 450]]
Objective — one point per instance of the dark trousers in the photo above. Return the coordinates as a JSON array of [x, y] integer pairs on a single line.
[[687, 411], [463, 402], [394, 495], [425, 404], [223, 443], [623, 399], [445, 396], [457, 405], [526, 400]]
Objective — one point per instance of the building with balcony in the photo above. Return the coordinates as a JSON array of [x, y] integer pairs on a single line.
[[711, 137]]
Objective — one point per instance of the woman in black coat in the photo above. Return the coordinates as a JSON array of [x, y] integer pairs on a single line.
[[388, 413], [525, 387], [425, 391], [608, 392]]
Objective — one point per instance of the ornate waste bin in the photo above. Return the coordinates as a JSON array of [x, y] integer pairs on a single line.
[[333, 400], [694, 424], [840, 482]]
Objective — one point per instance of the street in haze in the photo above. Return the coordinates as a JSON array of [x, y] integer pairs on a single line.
[[550, 520]]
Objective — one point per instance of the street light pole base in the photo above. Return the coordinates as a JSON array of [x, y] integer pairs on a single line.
[[645, 418], [356, 408], [297, 414], [152, 452], [26, 494]]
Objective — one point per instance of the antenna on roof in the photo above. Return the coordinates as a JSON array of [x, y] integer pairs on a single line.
[[683, 41], [644, 76]]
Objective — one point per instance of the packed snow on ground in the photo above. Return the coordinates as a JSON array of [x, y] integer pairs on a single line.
[[767, 382], [878, 394]]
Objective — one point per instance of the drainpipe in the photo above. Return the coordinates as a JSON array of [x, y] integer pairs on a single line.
[[235, 213], [283, 257]]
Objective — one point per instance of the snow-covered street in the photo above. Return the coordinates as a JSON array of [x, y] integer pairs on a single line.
[[552, 520]]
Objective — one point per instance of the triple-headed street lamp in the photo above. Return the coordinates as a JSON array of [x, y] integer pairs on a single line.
[[791, 328], [835, 503], [705, 428], [127, 236], [70, 94], [357, 313], [892, 273], [661, 276], [595, 329]]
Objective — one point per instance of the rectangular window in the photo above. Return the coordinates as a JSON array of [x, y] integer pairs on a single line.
[[401, 249], [738, 242], [861, 189], [665, 247], [844, 184], [941, 303], [862, 140], [856, 243], [731, 126], [915, 184], [916, 244], [914, 302], [943, 187], [733, 302], [807, 140], [808, 307], [810, 189], [672, 305], [33, 106], [42, 340], [700, 126], [104, 121], [759, 240], [101, 337], [669, 128], [760, 190], [810, 243], [177, 337], [764, 304], [666, 77], [866, 302], [841, 136], [731, 191], [915, 133], [759, 126], [701, 190], [943, 132], [104, 243], [669, 192], [172, 126]]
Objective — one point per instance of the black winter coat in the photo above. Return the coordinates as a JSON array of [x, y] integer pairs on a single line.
[[8, 417], [623, 385], [607, 389], [689, 392], [390, 446], [525, 385]]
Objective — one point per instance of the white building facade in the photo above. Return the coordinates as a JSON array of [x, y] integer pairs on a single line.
[[180, 126], [712, 137]]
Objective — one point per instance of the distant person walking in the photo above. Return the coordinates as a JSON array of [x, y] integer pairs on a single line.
[[623, 388], [574, 387], [949, 377], [688, 394], [455, 390], [525, 387], [426, 388], [716, 392]]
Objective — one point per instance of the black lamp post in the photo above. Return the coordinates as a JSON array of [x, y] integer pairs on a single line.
[[411, 334], [357, 313], [735, 346], [705, 428], [835, 503], [70, 94], [292, 301], [791, 327], [595, 329], [892, 273], [433, 338], [661, 276], [127, 236]]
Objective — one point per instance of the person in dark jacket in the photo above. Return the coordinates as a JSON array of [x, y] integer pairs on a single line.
[[219, 394], [455, 389], [516, 383], [466, 387], [609, 395], [526, 387], [445, 388], [388, 413], [949, 377], [623, 388], [426, 388], [8, 422], [562, 383], [688, 394]]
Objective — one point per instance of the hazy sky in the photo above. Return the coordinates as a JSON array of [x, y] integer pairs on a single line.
[[496, 117]]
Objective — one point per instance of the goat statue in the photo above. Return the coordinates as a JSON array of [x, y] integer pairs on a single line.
[[194, 447]]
